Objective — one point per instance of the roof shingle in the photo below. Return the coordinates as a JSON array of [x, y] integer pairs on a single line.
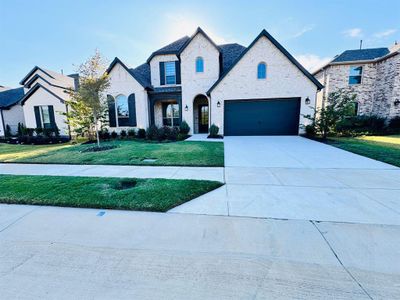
[[10, 97], [230, 52], [361, 54]]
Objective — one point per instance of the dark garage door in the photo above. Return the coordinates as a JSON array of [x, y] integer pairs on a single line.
[[262, 117]]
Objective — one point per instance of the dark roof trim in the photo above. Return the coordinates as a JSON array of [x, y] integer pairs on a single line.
[[34, 89], [280, 48], [22, 82], [198, 30], [30, 82], [116, 61]]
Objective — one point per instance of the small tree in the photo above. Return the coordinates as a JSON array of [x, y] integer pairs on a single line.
[[88, 104], [336, 109]]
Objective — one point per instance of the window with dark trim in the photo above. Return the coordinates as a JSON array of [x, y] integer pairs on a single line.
[[170, 74], [122, 106], [262, 71], [355, 75], [170, 114]]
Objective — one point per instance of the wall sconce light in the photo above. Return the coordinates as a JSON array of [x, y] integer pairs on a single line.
[[397, 102], [307, 101], [186, 108], [218, 104]]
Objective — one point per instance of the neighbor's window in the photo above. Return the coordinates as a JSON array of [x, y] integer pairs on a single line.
[[170, 114], [355, 75], [122, 106], [199, 65], [170, 77], [45, 116], [262, 71]]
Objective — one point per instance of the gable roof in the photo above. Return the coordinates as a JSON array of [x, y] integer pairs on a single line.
[[11, 97], [265, 34], [35, 68], [34, 89], [230, 53], [173, 48], [141, 74], [361, 55], [201, 31]]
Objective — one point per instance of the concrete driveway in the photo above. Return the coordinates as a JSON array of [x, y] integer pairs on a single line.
[[290, 177]]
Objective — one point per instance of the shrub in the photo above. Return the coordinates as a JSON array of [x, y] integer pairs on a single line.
[[172, 134], [39, 131], [162, 133], [7, 133], [394, 124], [141, 133], [131, 133], [21, 129], [99, 148], [123, 134], [184, 128], [310, 130], [214, 129], [104, 134], [152, 132], [181, 137], [114, 135], [361, 125]]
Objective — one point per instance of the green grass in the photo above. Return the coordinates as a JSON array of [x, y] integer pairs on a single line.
[[157, 195], [128, 152], [382, 148]]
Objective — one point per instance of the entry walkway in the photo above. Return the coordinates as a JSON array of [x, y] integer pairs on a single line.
[[198, 173]]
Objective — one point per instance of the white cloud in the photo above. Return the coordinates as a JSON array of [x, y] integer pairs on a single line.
[[311, 61], [353, 32], [179, 25], [385, 33], [303, 31]]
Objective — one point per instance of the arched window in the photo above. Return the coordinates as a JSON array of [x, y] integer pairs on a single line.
[[262, 71], [122, 106], [199, 65]]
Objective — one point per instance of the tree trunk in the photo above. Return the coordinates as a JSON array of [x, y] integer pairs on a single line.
[[97, 131]]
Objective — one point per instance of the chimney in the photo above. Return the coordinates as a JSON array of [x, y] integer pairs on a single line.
[[62, 72], [395, 47], [360, 44]]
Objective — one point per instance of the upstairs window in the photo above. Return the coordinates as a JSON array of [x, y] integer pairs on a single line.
[[170, 76], [199, 65], [355, 75], [262, 71]]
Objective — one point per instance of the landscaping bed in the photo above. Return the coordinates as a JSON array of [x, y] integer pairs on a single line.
[[157, 195], [120, 152]]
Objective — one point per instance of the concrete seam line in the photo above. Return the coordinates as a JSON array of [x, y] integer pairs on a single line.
[[340, 262], [21, 217]]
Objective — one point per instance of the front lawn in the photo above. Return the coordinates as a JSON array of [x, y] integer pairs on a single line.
[[157, 195], [128, 152], [383, 148]]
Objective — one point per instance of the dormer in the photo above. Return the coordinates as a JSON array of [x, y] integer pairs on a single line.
[[165, 66]]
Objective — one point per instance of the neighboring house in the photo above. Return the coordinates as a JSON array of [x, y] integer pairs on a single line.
[[11, 112], [372, 74], [256, 90]]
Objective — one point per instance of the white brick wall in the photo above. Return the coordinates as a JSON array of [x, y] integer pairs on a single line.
[[155, 68], [194, 83], [284, 80], [121, 82]]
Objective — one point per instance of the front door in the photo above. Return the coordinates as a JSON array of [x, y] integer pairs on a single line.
[[203, 118]]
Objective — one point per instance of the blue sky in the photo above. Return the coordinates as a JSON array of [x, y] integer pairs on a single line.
[[60, 34]]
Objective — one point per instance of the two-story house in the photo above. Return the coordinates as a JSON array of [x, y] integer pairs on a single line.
[[256, 90], [39, 103], [372, 74]]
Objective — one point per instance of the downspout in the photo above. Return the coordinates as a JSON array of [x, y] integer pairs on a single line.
[[69, 127]]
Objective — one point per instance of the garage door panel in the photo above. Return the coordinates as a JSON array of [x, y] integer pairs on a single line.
[[262, 117]]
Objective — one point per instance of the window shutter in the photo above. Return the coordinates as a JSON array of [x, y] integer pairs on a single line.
[[111, 111], [52, 117], [162, 73], [132, 110], [37, 117], [178, 71]]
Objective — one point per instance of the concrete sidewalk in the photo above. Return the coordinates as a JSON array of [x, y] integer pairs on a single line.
[[198, 173], [68, 253]]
